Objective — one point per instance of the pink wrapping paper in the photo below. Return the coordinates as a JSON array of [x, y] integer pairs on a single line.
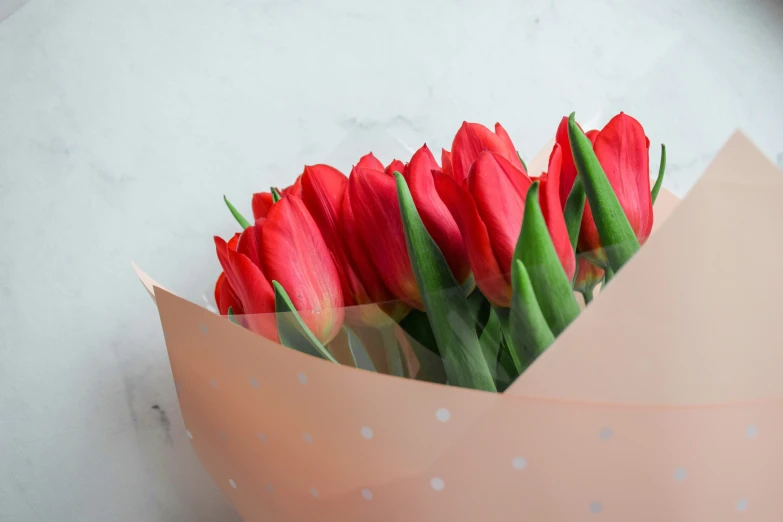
[[661, 402]]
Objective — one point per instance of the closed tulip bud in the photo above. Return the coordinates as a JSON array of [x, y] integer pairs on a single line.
[[293, 253]]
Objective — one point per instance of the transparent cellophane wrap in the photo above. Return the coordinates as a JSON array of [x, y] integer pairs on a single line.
[[662, 401]]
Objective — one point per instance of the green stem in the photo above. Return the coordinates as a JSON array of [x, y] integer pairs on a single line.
[[661, 170]]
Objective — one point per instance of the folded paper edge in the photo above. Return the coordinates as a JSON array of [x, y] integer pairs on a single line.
[[149, 283]]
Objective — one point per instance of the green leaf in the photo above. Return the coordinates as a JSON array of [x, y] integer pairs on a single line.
[[491, 339], [417, 325], [608, 275], [292, 330], [244, 223], [574, 209], [550, 282], [613, 228], [394, 356], [275, 195], [511, 365], [661, 171], [231, 316], [522, 161], [359, 353], [446, 306], [530, 334]]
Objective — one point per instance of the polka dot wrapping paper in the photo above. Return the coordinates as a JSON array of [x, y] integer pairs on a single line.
[[662, 404]]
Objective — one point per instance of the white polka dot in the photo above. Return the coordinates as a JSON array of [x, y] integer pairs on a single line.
[[314, 492], [307, 437], [190, 435], [367, 432], [679, 474], [742, 504], [213, 383], [302, 378], [270, 488], [752, 431], [442, 414], [596, 507], [203, 328], [232, 483], [437, 484], [606, 434], [262, 437], [367, 494], [518, 463], [254, 382]]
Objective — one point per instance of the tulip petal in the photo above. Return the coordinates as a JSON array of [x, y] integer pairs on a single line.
[[550, 283], [323, 189], [498, 189], [492, 281], [368, 161], [515, 158], [234, 241], [445, 159], [293, 331], [295, 189], [248, 245], [553, 214], [568, 168], [623, 151], [366, 271], [434, 213], [470, 141], [225, 298], [373, 200], [395, 166], [294, 254], [446, 306], [251, 288], [262, 202]]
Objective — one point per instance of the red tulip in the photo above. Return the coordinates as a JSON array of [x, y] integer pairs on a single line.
[[489, 208], [623, 151], [323, 190], [434, 214], [366, 270], [293, 253], [251, 288], [551, 207], [372, 202], [225, 297], [568, 171], [471, 140]]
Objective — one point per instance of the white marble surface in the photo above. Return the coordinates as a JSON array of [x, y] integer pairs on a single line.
[[123, 122]]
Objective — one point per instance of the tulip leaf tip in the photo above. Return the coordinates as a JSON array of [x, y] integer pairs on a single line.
[[244, 223], [292, 330], [275, 195], [661, 170]]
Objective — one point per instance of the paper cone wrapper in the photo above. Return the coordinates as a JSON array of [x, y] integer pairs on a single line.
[[660, 403]]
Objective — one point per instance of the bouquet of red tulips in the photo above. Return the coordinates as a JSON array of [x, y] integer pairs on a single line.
[[461, 272]]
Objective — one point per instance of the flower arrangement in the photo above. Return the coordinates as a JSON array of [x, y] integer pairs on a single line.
[[460, 272]]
